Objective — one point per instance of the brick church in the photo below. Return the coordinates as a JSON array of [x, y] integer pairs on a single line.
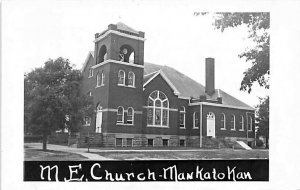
[[144, 104]]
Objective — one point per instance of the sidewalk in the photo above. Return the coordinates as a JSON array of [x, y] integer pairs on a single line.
[[81, 151]]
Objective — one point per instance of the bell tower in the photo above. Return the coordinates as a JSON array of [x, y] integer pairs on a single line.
[[119, 58], [112, 42]]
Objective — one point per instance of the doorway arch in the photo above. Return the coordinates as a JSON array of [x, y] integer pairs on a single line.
[[99, 119], [210, 125]]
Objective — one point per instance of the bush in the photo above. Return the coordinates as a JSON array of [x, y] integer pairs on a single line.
[[58, 138], [33, 138], [259, 143]]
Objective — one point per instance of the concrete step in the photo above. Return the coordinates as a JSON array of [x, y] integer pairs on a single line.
[[244, 145]]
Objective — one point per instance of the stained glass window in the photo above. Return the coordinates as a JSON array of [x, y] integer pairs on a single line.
[[158, 109]]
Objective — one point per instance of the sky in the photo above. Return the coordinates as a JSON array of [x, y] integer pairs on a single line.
[[174, 37]]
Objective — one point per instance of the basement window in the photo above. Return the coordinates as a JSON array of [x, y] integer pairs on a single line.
[[165, 142], [150, 142], [119, 142]]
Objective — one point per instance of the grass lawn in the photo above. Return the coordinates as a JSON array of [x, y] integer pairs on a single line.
[[188, 155], [51, 155]]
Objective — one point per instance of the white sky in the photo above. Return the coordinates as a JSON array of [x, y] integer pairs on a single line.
[[42, 30]]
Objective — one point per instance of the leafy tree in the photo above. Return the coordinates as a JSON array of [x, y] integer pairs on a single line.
[[263, 118], [52, 99], [258, 28]]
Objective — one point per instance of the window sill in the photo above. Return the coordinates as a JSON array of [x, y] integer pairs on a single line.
[[195, 127], [182, 128], [99, 86], [158, 126], [125, 124], [223, 129], [86, 125], [241, 130], [90, 77], [123, 85], [232, 130]]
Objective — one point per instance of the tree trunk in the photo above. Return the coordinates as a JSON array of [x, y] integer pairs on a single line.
[[267, 142], [45, 140]]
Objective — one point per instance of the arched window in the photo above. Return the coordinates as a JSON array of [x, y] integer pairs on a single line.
[[182, 117], [126, 52], [232, 122], [249, 123], [223, 121], [98, 79], [120, 115], [131, 79], [130, 116], [102, 78], [90, 72], [102, 55], [158, 109], [196, 120], [242, 123], [121, 78]]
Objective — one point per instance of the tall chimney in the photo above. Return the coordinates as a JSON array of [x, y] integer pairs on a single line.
[[209, 76]]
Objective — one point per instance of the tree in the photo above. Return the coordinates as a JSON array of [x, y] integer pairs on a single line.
[[258, 28], [263, 118], [52, 99]]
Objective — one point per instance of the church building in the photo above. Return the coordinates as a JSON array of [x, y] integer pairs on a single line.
[[140, 104]]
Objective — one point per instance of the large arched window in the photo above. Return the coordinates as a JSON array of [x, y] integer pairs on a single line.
[[158, 109], [102, 55], [196, 120], [121, 77], [232, 122], [130, 115], [242, 123], [223, 121], [131, 79], [182, 117], [249, 123], [120, 115]]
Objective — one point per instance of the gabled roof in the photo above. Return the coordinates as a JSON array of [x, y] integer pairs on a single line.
[[124, 27], [161, 73], [188, 87], [91, 53]]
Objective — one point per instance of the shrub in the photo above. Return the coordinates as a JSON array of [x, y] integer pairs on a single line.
[[259, 143]]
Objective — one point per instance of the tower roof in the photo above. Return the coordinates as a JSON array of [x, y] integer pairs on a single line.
[[124, 27]]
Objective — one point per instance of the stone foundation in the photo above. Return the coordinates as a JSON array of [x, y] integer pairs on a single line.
[[140, 140]]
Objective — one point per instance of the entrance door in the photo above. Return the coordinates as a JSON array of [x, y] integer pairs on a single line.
[[99, 119], [211, 125]]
